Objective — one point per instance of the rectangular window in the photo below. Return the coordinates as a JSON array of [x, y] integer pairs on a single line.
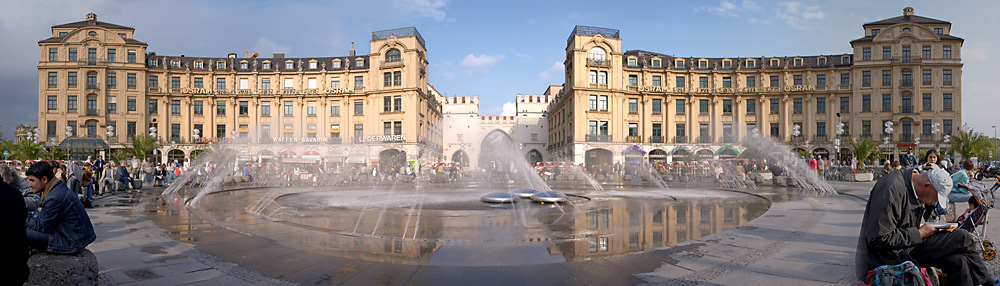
[[875, 32], [727, 106], [360, 63], [359, 130], [592, 128], [175, 107], [386, 103], [603, 103], [703, 64], [153, 106], [703, 106], [774, 63], [680, 81], [602, 77], [244, 108], [199, 107], [201, 129], [265, 83], [656, 80], [633, 105], [131, 57], [359, 107], [265, 109], [112, 104], [657, 131], [774, 81], [797, 105], [886, 102], [71, 103], [845, 104], [946, 127], [220, 83], [603, 128], [397, 128], [289, 110], [131, 104], [289, 83], [845, 79], [680, 132], [656, 63], [311, 83], [751, 106], [633, 80], [946, 102], [53, 79], [199, 83], [592, 103], [925, 52], [774, 106], [727, 82], [866, 54], [335, 82], [633, 129], [821, 80], [175, 82], [866, 128], [751, 81], [657, 106], [680, 106], [821, 129], [397, 103], [631, 62], [289, 65], [154, 81], [387, 79], [926, 102], [53, 54], [679, 64], [886, 78], [72, 54], [92, 57], [112, 54], [946, 77], [397, 78], [821, 61], [71, 79], [907, 79], [866, 78], [821, 105], [925, 77], [335, 108], [946, 52], [797, 79], [359, 82], [220, 108], [906, 54], [220, 65], [130, 128], [220, 130], [866, 103], [798, 62], [926, 126], [886, 53], [593, 77], [703, 82], [244, 83], [91, 80], [112, 80], [72, 128]]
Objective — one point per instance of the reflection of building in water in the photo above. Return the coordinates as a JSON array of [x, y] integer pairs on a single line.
[[623, 226]]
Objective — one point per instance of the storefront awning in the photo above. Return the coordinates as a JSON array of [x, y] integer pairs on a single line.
[[299, 160], [680, 148], [728, 147]]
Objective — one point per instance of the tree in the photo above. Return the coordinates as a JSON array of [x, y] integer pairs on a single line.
[[864, 150], [971, 144], [803, 153], [54, 153], [142, 145], [27, 150]]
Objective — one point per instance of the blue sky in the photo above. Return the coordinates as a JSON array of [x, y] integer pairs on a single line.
[[492, 49]]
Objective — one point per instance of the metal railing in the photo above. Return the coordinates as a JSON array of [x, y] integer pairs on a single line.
[[705, 139], [599, 138], [655, 139], [728, 139], [598, 63], [680, 139], [905, 137], [93, 112], [633, 139], [906, 109]]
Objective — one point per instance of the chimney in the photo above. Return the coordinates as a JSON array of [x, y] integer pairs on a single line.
[[232, 55], [352, 50], [279, 55], [908, 11]]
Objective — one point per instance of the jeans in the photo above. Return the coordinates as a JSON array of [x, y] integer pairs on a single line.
[[90, 190], [38, 240], [958, 197], [129, 181]]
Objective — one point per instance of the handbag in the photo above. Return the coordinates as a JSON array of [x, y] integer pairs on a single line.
[[903, 274]]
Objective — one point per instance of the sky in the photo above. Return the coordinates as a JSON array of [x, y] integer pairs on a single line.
[[493, 49]]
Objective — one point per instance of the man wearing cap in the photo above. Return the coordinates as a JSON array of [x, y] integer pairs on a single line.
[[891, 231]]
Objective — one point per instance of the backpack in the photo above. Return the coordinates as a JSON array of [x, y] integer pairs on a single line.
[[903, 274]]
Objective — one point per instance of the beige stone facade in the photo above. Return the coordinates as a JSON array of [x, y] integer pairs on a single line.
[[94, 74], [905, 69]]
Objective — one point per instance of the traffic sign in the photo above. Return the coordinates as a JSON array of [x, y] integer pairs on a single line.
[[6, 153]]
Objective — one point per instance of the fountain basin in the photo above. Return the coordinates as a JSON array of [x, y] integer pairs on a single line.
[[498, 198], [548, 197], [524, 193]]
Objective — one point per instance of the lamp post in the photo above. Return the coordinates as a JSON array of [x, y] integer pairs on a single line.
[[888, 133], [111, 134]]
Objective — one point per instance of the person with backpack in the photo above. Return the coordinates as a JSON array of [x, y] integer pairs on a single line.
[[892, 232]]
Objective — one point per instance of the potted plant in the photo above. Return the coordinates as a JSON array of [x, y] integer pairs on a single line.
[[864, 150]]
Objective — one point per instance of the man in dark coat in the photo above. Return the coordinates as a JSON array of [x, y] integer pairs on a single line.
[[891, 231], [14, 254], [62, 226]]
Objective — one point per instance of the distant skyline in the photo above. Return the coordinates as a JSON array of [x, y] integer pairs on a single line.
[[493, 49]]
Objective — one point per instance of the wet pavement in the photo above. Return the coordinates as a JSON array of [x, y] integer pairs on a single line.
[[797, 241]]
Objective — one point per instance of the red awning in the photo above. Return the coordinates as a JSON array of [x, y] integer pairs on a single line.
[[287, 153]]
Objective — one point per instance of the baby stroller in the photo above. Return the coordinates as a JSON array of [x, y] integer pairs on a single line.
[[976, 221]]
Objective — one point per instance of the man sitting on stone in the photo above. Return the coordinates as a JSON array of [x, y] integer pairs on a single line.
[[891, 231], [62, 225], [123, 176]]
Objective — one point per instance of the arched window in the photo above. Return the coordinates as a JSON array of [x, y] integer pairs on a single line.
[[92, 34], [392, 55], [598, 54]]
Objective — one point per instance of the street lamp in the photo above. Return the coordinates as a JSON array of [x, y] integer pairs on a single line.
[[69, 131], [196, 135], [152, 131], [836, 141], [888, 133]]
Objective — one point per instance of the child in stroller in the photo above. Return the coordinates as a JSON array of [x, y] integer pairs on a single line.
[[974, 220]]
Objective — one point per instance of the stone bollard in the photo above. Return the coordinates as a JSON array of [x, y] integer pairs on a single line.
[[227, 180], [778, 180], [599, 177], [63, 269], [627, 177], [758, 179]]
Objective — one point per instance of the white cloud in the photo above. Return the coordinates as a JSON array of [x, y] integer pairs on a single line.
[[799, 16], [728, 8], [473, 63], [433, 9], [556, 67], [509, 109], [266, 46]]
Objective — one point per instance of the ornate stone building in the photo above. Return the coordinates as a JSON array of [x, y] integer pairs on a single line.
[[906, 70], [100, 82], [466, 131]]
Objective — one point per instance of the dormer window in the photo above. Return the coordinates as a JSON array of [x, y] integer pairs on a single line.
[[244, 65], [845, 60], [152, 62], [121, 35], [632, 62], [656, 63], [312, 65], [703, 64], [175, 64], [774, 63], [199, 65], [875, 32], [336, 64], [289, 65], [751, 63], [821, 61], [727, 64], [938, 31], [679, 63], [360, 63], [266, 65], [798, 62], [62, 34], [220, 65]]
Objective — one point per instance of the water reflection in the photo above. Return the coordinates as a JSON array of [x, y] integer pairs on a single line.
[[453, 228]]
